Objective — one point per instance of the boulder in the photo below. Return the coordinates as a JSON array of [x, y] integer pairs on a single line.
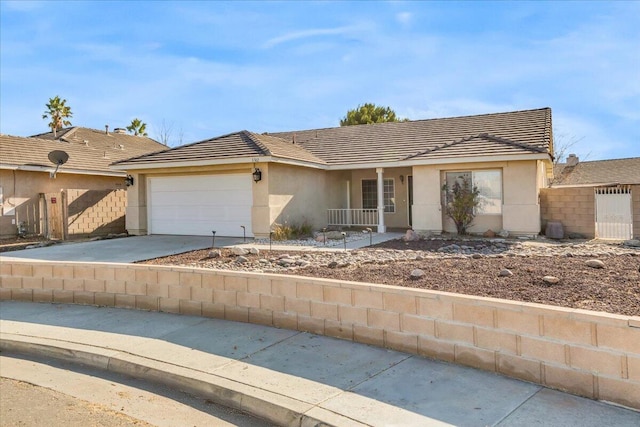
[[334, 235], [503, 233], [239, 251], [241, 259], [635, 243], [254, 251], [416, 274], [594, 263], [551, 280], [505, 272], [489, 233], [215, 254], [411, 236]]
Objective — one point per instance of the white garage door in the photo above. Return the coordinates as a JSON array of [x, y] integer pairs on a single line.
[[196, 205]]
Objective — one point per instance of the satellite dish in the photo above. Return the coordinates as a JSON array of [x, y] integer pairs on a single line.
[[58, 158]]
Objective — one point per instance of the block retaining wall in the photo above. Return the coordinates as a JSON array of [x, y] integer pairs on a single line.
[[591, 354]]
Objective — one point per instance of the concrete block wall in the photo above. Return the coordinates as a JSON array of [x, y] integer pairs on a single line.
[[591, 354], [96, 212], [635, 203], [574, 207]]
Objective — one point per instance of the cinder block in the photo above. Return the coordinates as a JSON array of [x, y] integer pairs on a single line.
[[11, 282], [519, 367], [521, 322], [334, 294], [42, 295], [179, 292], [323, 310], [22, 295], [146, 276], [386, 320], [368, 299], [104, 299], [436, 349], [39, 270], [474, 314], [399, 303], [285, 320], [63, 297], [633, 365], [201, 294], [190, 279], [260, 285], [454, 332], [87, 298], [210, 309], [565, 329], [125, 301], [623, 338], [6, 267], [236, 314], [125, 274], [158, 290], [228, 298], [136, 288], [435, 308], [569, 380], [597, 361], [354, 315], [73, 284], [273, 303], [260, 316], [309, 290], [298, 306], [32, 282], [23, 270], [248, 299], [334, 328], [622, 392], [190, 308], [366, 335], [417, 324], [5, 294], [168, 277], [147, 303], [169, 305], [401, 341], [283, 287], [475, 357], [311, 325], [543, 350], [83, 272], [235, 283], [94, 285], [491, 339]]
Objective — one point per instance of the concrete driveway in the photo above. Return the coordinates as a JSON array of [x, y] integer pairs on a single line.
[[127, 249]]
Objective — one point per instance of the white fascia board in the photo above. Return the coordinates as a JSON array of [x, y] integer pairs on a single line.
[[443, 161], [599, 184], [188, 163], [61, 170], [301, 163]]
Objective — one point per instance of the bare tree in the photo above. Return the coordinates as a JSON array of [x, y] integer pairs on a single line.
[[164, 133], [563, 145]]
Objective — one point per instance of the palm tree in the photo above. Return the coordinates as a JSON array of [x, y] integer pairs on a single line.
[[137, 127], [58, 112]]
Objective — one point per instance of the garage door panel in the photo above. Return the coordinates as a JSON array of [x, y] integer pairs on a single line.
[[196, 205]]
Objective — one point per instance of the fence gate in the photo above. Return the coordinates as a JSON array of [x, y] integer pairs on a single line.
[[613, 213]]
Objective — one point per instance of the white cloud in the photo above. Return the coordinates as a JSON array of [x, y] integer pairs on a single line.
[[297, 35], [404, 18]]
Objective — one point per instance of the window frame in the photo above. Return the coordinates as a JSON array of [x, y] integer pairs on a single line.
[[472, 173], [389, 194]]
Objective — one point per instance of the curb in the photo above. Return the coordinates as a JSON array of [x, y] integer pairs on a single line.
[[266, 404]]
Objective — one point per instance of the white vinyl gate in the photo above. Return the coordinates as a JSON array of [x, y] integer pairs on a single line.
[[613, 213]]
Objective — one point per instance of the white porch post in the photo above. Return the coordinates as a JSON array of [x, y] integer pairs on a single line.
[[381, 226]]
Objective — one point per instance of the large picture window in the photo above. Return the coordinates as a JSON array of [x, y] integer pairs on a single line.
[[489, 184], [370, 194]]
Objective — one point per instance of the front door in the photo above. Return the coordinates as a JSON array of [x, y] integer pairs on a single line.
[[410, 198]]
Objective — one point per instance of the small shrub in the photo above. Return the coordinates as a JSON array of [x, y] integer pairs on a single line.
[[461, 203], [291, 231]]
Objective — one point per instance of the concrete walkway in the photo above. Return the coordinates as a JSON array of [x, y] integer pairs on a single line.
[[288, 377], [140, 248]]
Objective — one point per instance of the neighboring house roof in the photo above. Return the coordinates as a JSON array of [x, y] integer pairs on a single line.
[[458, 138], [599, 172], [90, 151]]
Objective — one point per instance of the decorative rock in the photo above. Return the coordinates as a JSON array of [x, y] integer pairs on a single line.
[[254, 251], [505, 273], [332, 264], [215, 254], [320, 238], [239, 251], [552, 280], [489, 233], [633, 243], [595, 263], [241, 259], [503, 233], [476, 256], [411, 236], [417, 274]]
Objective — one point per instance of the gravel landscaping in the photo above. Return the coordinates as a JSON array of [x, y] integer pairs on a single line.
[[587, 275]]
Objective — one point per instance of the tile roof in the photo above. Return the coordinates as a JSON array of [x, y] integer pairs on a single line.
[[90, 151], [614, 171], [519, 132]]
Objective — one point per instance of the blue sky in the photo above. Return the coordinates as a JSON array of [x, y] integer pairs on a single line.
[[209, 68]]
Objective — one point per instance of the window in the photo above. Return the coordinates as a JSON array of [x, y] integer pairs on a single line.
[[488, 182], [370, 194]]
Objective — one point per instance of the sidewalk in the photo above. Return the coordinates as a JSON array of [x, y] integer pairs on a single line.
[[290, 377]]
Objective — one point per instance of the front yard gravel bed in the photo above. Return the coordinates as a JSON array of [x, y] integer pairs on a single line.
[[472, 267]]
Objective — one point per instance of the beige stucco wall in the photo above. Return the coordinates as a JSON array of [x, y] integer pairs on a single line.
[[98, 206], [588, 353], [521, 183]]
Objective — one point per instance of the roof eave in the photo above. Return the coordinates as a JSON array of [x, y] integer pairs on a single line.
[[64, 170], [189, 163]]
